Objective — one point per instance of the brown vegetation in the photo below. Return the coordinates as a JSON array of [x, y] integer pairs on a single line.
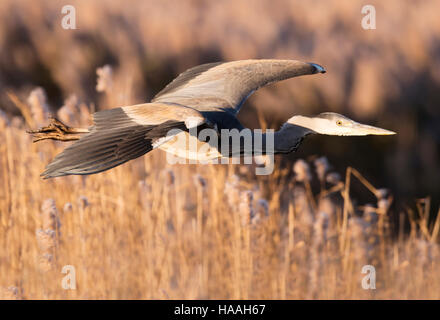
[[150, 230]]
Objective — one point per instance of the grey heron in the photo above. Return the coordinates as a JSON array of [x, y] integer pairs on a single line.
[[206, 96]]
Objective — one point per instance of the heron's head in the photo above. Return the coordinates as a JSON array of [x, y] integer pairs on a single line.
[[331, 123]]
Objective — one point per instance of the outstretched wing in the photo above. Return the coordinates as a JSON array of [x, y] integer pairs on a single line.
[[227, 85], [121, 134]]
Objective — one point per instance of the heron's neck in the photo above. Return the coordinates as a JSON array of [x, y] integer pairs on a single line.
[[285, 140], [289, 137]]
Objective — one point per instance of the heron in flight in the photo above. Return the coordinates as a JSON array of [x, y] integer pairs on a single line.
[[206, 96]]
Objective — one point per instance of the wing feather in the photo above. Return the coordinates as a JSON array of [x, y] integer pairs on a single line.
[[119, 135], [225, 86]]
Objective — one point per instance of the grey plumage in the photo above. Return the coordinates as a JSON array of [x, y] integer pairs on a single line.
[[182, 79], [211, 94], [113, 140], [206, 96], [225, 86]]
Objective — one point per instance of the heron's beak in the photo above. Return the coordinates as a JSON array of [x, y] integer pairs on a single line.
[[363, 129]]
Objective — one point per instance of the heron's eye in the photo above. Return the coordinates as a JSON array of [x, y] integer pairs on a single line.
[[339, 122]]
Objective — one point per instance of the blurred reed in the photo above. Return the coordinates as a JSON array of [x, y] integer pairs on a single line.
[[151, 230]]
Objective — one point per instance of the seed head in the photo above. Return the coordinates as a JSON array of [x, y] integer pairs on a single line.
[[38, 105], [67, 113], [67, 207], [83, 202], [199, 181], [333, 178], [169, 177], [104, 81], [46, 239], [49, 215], [322, 166], [382, 193], [302, 171]]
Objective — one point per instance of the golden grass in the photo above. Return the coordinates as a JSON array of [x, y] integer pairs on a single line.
[[148, 230]]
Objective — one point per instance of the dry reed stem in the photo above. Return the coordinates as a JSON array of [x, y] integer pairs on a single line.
[[24, 109], [345, 209], [436, 228]]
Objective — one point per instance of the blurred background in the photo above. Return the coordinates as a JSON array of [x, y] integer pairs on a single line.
[[150, 230], [389, 77]]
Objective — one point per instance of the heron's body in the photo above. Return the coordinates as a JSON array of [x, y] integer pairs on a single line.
[[204, 97]]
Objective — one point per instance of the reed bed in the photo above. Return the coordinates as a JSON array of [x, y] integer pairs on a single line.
[[149, 230]]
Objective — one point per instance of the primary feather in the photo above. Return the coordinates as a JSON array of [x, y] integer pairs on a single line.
[[115, 138]]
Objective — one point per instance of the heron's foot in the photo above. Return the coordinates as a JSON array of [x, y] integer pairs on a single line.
[[56, 130]]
